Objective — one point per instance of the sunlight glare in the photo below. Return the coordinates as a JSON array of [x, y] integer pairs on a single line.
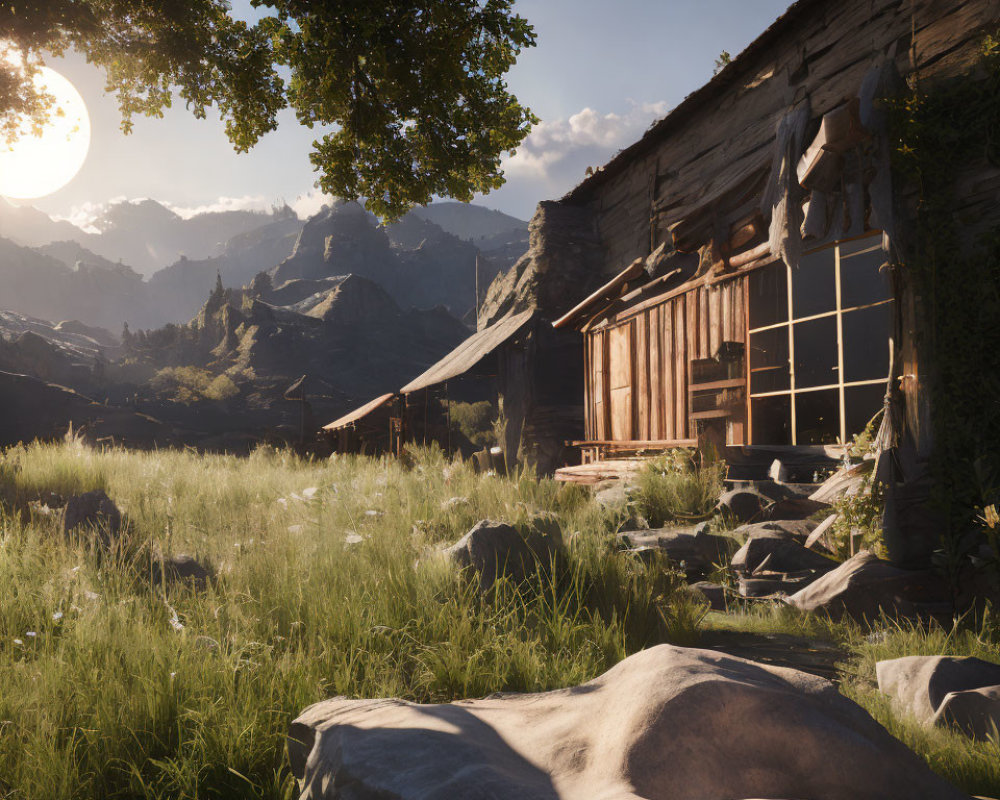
[[36, 166]]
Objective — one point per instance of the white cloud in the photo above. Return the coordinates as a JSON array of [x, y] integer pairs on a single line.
[[305, 205], [561, 142], [250, 202], [86, 214]]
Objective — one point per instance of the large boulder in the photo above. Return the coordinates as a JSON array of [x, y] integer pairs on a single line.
[[864, 587], [495, 549], [779, 552], [691, 547], [668, 723], [964, 692]]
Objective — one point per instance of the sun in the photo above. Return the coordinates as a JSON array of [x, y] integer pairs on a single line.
[[36, 166]]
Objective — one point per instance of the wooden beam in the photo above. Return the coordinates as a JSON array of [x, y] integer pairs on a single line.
[[605, 293]]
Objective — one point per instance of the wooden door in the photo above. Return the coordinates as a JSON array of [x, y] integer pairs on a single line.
[[620, 378]]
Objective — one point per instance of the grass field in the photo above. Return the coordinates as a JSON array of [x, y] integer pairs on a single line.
[[329, 581]]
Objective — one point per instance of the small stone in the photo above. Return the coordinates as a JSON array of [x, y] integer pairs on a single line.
[[182, 568], [714, 593], [94, 513], [743, 504], [495, 549], [783, 554], [975, 712]]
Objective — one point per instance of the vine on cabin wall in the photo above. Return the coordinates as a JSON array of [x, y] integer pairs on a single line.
[[938, 133]]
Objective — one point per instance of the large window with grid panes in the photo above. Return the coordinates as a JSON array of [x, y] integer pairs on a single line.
[[819, 344]]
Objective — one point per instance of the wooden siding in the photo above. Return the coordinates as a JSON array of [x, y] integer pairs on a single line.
[[731, 139], [638, 365]]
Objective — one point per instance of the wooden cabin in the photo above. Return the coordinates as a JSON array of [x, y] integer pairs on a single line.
[[373, 429], [532, 372], [746, 293], [768, 356]]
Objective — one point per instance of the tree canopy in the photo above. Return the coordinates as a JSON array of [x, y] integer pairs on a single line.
[[412, 92]]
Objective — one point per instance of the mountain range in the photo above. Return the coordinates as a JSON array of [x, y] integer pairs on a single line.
[[210, 341], [147, 266]]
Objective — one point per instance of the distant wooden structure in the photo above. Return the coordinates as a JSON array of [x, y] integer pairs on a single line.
[[373, 429], [530, 369]]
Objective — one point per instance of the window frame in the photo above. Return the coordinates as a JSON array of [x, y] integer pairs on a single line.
[[792, 392]]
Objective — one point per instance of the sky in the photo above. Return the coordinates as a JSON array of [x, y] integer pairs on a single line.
[[602, 71]]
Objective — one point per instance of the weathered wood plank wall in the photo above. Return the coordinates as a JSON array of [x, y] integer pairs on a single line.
[[639, 366], [722, 142]]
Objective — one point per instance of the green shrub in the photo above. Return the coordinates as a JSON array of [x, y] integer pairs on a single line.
[[474, 421], [676, 487], [859, 517], [190, 384]]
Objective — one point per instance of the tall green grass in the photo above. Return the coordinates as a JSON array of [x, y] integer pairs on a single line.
[[329, 581], [677, 488]]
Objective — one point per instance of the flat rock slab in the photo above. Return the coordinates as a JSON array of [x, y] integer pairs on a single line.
[[793, 508], [963, 692], [668, 723], [780, 552], [797, 529], [865, 587], [689, 546]]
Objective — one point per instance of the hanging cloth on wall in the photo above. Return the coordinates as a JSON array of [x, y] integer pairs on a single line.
[[879, 82], [782, 199]]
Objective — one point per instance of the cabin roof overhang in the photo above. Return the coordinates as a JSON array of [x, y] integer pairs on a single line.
[[470, 353], [349, 420]]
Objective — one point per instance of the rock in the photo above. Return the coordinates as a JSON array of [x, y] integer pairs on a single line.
[[690, 547], [863, 587], [668, 723], [975, 712], [493, 549], [778, 472], [845, 482], [636, 522], [182, 568], [793, 508], [782, 553], [614, 495], [93, 512], [762, 587], [797, 529], [919, 685], [819, 534], [714, 593], [743, 504], [773, 490]]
